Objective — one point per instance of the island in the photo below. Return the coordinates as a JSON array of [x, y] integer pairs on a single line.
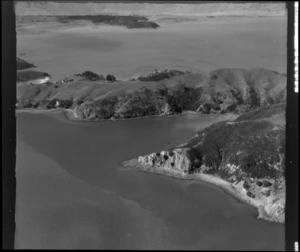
[[130, 22]]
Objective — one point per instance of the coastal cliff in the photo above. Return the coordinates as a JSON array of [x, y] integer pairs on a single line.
[[244, 156]]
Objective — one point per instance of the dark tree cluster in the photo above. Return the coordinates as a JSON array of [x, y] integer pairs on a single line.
[[91, 76], [251, 195], [110, 77], [157, 76]]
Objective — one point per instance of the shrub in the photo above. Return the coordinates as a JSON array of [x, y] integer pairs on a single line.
[[266, 193], [246, 185], [171, 153], [157, 154], [259, 183], [166, 157], [106, 108], [110, 77], [172, 164], [249, 194], [232, 107], [266, 183], [197, 164], [194, 153], [256, 171]]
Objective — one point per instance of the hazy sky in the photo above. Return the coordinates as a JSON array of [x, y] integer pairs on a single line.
[[179, 8]]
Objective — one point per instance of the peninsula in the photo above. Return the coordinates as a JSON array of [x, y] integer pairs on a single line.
[[245, 157]]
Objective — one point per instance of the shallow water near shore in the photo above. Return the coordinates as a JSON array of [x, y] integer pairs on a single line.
[[72, 193]]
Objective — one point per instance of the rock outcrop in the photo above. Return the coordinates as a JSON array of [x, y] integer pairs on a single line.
[[175, 159]]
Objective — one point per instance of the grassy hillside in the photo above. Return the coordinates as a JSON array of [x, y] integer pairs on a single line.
[[251, 142], [264, 112], [221, 91]]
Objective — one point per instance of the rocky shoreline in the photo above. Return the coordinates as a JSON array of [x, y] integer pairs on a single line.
[[226, 186], [245, 156]]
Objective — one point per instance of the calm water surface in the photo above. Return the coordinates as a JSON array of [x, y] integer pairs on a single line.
[[71, 192], [206, 44]]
